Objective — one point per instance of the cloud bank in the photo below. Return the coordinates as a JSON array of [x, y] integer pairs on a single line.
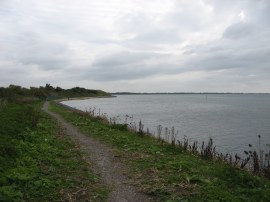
[[141, 46]]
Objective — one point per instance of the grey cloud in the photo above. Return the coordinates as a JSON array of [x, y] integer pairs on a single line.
[[158, 37], [245, 59], [118, 73], [258, 12], [186, 16], [130, 66], [46, 63], [239, 31], [30, 48], [122, 58], [135, 23], [146, 31], [79, 44], [243, 46], [223, 6]]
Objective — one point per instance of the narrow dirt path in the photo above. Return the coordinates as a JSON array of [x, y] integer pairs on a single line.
[[111, 170]]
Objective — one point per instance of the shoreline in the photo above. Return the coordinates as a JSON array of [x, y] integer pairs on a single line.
[[158, 162], [59, 101], [82, 98], [207, 151]]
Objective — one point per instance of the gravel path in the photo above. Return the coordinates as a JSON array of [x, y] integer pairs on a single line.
[[105, 163]]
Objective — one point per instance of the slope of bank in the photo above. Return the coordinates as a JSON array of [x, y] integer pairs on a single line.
[[38, 162], [169, 173]]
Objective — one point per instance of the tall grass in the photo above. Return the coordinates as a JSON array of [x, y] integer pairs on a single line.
[[3, 103], [254, 160]]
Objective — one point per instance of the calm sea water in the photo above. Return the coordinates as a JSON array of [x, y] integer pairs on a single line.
[[232, 120]]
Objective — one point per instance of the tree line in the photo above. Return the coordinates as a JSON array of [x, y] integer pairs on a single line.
[[14, 92]]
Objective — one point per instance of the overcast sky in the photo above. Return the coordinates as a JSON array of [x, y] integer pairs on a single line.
[[137, 45]]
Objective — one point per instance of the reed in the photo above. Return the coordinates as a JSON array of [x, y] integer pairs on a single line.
[[140, 130], [159, 132], [259, 161], [208, 151], [173, 136]]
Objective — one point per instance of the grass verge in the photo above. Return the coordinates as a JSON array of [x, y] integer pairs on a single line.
[[38, 163], [169, 173]]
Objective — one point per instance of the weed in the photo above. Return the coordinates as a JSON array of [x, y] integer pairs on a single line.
[[258, 161], [140, 130]]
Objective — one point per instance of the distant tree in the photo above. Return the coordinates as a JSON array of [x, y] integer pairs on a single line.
[[15, 92], [58, 89], [49, 87], [2, 92], [15, 89]]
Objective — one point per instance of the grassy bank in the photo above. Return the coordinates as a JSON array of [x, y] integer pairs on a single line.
[[169, 173], [37, 163]]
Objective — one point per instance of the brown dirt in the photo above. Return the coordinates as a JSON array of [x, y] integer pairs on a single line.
[[113, 173]]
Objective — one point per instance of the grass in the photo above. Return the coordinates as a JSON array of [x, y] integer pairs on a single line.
[[170, 173], [38, 163]]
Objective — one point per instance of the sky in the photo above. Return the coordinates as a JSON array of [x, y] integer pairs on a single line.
[[137, 45]]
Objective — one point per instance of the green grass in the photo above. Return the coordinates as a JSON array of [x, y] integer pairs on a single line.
[[169, 173], [38, 163]]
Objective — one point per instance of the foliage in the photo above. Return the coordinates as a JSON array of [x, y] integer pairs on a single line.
[[37, 163], [18, 93], [172, 173]]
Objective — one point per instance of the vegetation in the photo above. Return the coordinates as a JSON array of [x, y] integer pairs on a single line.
[[38, 163], [171, 173], [14, 92], [255, 160]]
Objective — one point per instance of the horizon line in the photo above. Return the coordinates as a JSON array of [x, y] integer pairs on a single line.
[[187, 93]]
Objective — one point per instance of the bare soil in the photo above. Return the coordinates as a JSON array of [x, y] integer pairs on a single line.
[[113, 173]]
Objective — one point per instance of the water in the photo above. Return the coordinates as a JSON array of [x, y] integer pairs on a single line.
[[232, 120]]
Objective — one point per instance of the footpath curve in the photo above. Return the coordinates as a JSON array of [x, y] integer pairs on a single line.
[[105, 164]]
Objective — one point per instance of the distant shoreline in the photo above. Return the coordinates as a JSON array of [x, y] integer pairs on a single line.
[[182, 93]]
